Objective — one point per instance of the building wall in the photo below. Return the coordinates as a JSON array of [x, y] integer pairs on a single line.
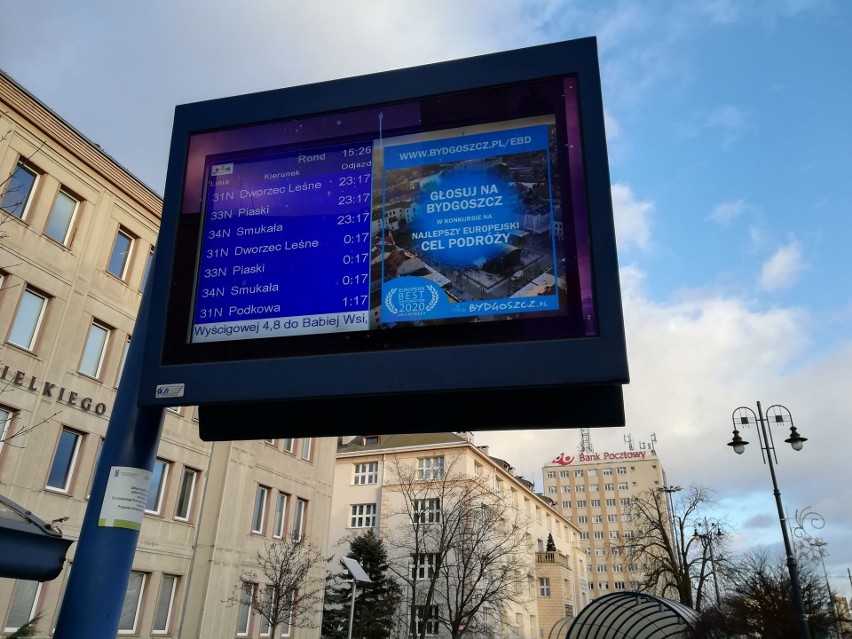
[[52, 402], [537, 614], [594, 491]]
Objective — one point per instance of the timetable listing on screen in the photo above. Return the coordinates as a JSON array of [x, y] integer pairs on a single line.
[[285, 244]]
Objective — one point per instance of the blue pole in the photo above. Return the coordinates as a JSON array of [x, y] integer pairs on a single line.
[[94, 594]]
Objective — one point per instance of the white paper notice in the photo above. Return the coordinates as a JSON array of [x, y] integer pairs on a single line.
[[125, 498]]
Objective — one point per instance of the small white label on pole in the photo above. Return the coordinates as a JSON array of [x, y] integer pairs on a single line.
[[169, 391], [125, 498]]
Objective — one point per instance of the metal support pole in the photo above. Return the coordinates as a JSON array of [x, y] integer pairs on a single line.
[[804, 630], [352, 608], [94, 594]]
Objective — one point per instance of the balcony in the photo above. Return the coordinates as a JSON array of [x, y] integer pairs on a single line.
[[551, 558]]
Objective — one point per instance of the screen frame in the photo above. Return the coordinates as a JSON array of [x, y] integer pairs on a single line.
[[544, 363]]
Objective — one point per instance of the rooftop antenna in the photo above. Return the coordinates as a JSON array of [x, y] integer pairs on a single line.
[[653, 441], [628, 438], [586, 441]]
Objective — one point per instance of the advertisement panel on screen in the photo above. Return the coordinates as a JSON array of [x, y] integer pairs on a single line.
[[391, 234]]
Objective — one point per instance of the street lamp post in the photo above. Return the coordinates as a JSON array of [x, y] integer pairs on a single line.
[[814, 548], [711, 533], [744, 417]]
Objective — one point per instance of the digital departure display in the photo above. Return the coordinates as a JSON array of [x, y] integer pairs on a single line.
[[458, 225], [357, 245]]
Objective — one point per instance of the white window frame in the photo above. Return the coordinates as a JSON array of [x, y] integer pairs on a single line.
[[287, 625], [429, 617], [622, 485], [94, 351], [244, 607], [258, 515], [36, 325], [427, 511], [29, 196], [170, 593], [544, 586], [71, 219], [193, 475], [122, 361], [280, 521], [306, 448], [147, 270], [430, 467], [132, 630], [122, 232], [6, 415], [33, 604], [362, 516], [288, 444], [423, 565], [265, 628], [366, 473], [299, 520], [160, 490], [72, 462]]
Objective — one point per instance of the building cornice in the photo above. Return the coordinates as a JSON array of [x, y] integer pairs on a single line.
[[55, 131]]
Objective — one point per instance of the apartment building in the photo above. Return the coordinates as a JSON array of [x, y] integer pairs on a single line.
[[392, 482], [77, 234], [593, 491]]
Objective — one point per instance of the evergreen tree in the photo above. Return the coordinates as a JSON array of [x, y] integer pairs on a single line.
[[551, 545], [376, 603]]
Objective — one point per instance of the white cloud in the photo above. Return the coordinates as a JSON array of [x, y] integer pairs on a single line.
[[693, 360], [782, 270], [632, 218], [726, 211]]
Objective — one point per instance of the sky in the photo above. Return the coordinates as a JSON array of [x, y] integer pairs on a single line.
[[730, 148]]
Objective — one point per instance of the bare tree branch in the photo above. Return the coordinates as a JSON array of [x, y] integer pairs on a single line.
[[282, 590]]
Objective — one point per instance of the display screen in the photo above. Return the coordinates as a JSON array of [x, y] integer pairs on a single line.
[[451, 217]]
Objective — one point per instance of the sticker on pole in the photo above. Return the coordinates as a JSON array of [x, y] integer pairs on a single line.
[[169, 391], [125, 498]]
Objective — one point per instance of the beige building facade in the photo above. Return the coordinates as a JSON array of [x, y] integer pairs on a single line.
[[594, 492], [77, 233], [374, 478]]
